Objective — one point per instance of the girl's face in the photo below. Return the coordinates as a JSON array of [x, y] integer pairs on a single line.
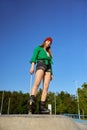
[[47, 43]]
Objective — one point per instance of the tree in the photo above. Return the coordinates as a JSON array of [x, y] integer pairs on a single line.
[[66, 103], [83, 98]]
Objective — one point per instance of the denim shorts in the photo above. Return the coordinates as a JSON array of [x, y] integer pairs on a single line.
[[41, 65]]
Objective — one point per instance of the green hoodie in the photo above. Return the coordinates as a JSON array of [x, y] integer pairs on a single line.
[[40, 54]]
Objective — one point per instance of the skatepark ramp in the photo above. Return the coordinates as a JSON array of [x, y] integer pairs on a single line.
[[39, 122]]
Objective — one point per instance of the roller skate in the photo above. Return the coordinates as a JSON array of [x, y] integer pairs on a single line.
[[43, 109], [31, 104]]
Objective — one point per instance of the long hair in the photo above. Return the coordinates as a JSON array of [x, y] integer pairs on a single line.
[[48, 49]]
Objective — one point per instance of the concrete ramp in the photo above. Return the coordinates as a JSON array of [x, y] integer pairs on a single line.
[[38, 122]]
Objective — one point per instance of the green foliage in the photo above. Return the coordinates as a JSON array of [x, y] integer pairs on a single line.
[[65, 103], [18, 102], [82, 92]]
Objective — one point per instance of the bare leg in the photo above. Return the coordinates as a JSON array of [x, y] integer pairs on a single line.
[[38, 77], [46, 81], [42, 105]]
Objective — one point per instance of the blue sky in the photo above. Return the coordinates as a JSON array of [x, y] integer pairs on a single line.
[[24, 24]]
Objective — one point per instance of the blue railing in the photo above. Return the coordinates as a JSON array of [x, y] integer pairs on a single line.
[[76, 116]]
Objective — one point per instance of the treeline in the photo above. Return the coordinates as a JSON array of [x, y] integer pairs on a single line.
[[63, 102]]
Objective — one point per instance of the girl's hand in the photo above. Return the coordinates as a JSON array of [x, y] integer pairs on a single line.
[[32, 69]]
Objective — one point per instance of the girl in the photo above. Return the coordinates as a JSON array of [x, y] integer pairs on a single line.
[[43, 57]]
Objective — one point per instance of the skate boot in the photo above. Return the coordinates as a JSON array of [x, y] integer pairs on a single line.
[[31, 104], [43, 109]]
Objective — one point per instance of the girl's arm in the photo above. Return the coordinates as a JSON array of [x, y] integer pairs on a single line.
[[35, 55]]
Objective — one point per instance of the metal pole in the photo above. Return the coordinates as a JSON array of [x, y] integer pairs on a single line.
[[30, 83], [77, 99], [8, 106], [2, 102], [78, 103], [55, 104]]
